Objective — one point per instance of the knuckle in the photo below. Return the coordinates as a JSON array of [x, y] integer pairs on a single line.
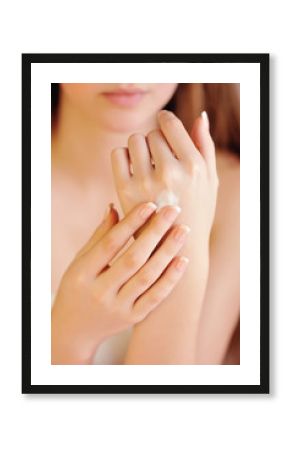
[[165, 175], [171, 281], [102, 299], [164, 291], [80, 279], [135, 137], [144, 279], [121, 313], [138, 316], [113, 308], [169, 247], [116, 151], [104, 287], [146, 184], [169, 116], [131, 260], [125, 189], [153, 301], [167, 286], [98, 293], [110, 244], [153, 134], [156, 228], [191, 163], [173, 121], [130, 227], [194, 168]]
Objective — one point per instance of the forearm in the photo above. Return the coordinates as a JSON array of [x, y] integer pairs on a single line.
[[219, 318], [221, 306], [168, 335]]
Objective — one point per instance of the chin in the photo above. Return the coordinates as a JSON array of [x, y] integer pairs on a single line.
[[123, 124]]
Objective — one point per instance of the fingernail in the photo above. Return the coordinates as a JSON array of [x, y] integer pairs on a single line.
[[147, 209], [108, 210], [165, 113], [205, 119], [181, 263], [170, 213], [180, 233]]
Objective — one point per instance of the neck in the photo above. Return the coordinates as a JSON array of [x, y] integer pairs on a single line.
[[81, 149]]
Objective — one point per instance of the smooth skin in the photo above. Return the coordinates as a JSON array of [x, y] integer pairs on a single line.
[[87, 130], [179, 166], [187, 166], [97, 299]]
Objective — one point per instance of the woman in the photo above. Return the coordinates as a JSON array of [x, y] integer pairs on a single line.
[[164, 321]]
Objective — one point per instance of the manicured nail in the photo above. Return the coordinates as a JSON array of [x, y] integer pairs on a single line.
[[108, 210], [181, 263], [147, 209], [180, 233], [205, 119], [170, 213]]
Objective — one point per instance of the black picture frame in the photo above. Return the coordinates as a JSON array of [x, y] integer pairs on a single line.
[[263, 61]]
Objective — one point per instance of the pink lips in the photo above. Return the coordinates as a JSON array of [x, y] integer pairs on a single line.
[[125, 97]]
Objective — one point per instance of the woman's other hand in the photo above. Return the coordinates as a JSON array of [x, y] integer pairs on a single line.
[[169, 161], [97, 299]]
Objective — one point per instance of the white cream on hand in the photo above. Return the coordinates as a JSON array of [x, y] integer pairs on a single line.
[[166, 198]]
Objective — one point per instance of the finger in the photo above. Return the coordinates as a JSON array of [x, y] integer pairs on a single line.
[[139, 155], [112, 242], [137, 254], [160, 290], [120, 160], [156, 264], [177, 137], [159, 149], [200, 134], [110, 219]]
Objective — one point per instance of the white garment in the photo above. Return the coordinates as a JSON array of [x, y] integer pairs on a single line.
[[111, 351]]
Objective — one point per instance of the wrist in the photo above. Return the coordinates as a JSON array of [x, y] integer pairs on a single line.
[[64, 353], [196, 274], [196, 249], [66, 348]]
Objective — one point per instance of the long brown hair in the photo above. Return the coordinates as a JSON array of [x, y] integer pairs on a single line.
[[219, 100]]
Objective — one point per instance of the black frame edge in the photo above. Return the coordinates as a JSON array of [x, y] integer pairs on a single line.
[[26, 223], [144, 389], [264, 223], [27, 60]]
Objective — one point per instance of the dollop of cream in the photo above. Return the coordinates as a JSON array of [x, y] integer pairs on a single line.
[[166, 198]]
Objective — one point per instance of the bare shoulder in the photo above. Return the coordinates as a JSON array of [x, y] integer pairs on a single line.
[[228, 201]]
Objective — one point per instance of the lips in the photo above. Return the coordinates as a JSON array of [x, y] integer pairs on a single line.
[[125, 97], [126, 92]]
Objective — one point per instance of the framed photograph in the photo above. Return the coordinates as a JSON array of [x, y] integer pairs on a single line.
[[145, 223]]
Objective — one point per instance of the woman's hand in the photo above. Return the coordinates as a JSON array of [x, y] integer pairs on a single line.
[[97, 299], [184, 168]]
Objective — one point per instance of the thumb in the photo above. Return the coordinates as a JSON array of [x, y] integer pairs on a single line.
[[110, 219]]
